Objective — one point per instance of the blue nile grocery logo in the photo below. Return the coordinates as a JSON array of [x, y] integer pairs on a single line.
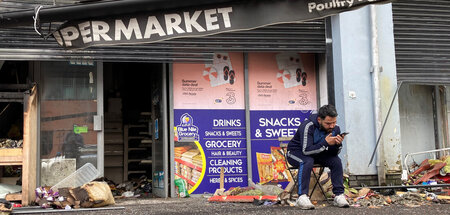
[[186, 130]]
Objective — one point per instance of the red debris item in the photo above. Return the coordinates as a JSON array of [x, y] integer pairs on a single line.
[[240, 198], [425, 165], [16, 205], [431, 173], [445, 179]]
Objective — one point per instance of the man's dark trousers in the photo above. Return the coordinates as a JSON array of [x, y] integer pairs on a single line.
[[305, 165]]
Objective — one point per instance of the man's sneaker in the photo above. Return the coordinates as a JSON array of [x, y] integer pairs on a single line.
[[340, 201], [304, 203]]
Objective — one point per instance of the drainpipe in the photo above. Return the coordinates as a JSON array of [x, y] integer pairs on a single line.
[[377, 95]]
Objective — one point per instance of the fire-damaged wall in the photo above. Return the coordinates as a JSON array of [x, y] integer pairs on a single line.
[[355, 93]]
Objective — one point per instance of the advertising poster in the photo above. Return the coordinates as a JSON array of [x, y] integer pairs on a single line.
[[219, 85], [282, 93], [209, 123], [205, 141]]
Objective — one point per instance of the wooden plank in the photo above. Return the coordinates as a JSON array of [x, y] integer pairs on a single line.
[[13, 197], [15, 86], [221, 178], [11, 156], [11, 152], [11, 95], [29, 147], [240, 198], [8, 180]]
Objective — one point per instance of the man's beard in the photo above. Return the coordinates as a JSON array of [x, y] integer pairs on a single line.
[[324, 129]]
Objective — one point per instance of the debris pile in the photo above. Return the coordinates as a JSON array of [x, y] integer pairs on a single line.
[[5, 206], [431, 172], [372, 199], [92, 194], [141, 187], [9, 143], [265, 194]]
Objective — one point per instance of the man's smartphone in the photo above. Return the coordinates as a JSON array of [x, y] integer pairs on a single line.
[[344, 133]]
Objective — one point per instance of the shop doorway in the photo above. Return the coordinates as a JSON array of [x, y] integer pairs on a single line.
[[12, 76], [17, 114], [132, 124]]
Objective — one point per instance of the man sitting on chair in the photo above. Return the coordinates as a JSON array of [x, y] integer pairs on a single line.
[[318, 140]]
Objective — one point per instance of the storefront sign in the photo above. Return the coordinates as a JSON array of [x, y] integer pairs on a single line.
[[153, 26]]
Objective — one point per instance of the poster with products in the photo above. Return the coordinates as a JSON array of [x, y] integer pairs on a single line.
[[282, 94], [209, 123]]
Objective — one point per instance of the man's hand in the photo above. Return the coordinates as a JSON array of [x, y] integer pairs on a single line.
[[336, 140]]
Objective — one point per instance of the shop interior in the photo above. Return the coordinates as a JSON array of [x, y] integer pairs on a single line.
[[13, 82], [131, 106]]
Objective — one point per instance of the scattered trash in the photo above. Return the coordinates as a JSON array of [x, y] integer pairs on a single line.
[[181, 188], [83, 175], [8, 188], [92, 194], [430, 172], [128, 194], [5, 206], [141, 187], [267, 189]]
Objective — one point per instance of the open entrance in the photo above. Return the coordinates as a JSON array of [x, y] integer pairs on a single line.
[[13, 84], [132, 93]]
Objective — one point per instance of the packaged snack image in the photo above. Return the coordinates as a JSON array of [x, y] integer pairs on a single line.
[[279, 165], [265, 167], [220, 71], [181, 187], [291, 71]]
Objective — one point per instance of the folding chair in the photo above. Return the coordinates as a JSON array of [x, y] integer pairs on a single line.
[[283, 145]]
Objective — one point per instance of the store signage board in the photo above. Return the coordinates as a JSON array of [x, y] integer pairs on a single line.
[[154, 26]]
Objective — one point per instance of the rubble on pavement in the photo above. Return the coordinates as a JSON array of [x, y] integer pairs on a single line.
[[430, 171], [141, 187], [92, 194]]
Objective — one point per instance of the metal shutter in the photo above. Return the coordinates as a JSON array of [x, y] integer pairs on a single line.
[[25, 44], [422, 41]]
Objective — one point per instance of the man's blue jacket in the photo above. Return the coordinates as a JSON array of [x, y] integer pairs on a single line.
[[310, 139]]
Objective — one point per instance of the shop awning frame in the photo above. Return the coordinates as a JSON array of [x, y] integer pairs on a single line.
[[93, 9]]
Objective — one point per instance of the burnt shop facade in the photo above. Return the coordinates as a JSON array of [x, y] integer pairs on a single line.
[[228, 111], [178, 108], [223, 103]]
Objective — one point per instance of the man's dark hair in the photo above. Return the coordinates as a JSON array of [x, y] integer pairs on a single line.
[[327, 110]]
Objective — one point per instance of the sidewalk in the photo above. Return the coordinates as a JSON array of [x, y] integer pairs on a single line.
[[200, 205]]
